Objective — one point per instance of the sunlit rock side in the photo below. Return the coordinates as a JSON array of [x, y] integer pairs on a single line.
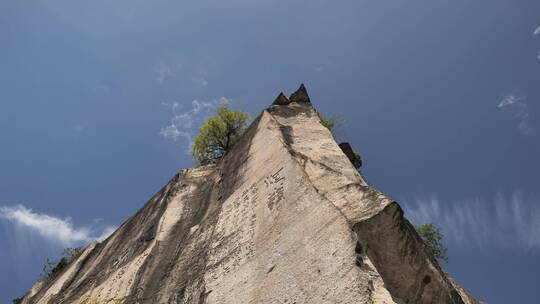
[[283, 218]]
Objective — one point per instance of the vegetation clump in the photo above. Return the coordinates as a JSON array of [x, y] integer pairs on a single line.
[[329, 121], [432, 237], [52, 268], [356, 160], [17, 300], [219, 134]]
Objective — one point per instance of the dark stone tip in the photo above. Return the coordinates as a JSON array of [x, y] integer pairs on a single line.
[[281, 100], [301, 95], [347, 149], [349, 152]]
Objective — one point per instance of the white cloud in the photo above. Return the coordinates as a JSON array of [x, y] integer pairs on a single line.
[[511, 222], [165, 71], [509, 100], [187, 72], [203, 82], [107, 231], [535, 33], [51, 228], [184, 124], [519, 108]]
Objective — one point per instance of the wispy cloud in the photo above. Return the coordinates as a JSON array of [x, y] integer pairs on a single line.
[[201, 81], [510, 222], [536, 33], [51, 228], [519, 108], [164, 71], [319, 68], [187, 72], [184, 122]]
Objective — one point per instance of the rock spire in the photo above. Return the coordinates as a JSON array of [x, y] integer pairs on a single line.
[[284, 217]]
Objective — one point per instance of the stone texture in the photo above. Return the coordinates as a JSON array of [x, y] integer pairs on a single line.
[[283, 218], [281, 100], [348, 151], [301, 95]]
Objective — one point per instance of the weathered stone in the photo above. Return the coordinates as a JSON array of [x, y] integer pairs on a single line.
[[283, 218], [301, 95], [348, 151], [281, 100]]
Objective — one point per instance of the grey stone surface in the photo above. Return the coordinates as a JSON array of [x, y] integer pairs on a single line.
[[281, 100], [348, 151], [283, 218], [301, 95]]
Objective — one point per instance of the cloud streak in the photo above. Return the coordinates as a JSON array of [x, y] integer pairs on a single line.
[[163, 72], [183, 71], [519, 109], [184, 123], [51, 228], [510, 222], [536, 31]]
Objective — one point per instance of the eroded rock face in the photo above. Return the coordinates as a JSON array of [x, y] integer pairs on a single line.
[[283, 218]]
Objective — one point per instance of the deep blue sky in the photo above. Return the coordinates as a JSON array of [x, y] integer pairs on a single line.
[[98, 100]]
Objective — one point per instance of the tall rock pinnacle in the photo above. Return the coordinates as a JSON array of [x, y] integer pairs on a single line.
[[284, 217]]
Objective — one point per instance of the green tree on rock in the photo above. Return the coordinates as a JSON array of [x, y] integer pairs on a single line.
[[219, 134], [432, 237]]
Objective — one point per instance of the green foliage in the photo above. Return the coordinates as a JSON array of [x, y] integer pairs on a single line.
[[432, 237], [333, 122], [53, 268], [17, 300], [218, 135], [329, 121], [357, 160]]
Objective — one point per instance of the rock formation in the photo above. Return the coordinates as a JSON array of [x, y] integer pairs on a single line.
[[283, 218]]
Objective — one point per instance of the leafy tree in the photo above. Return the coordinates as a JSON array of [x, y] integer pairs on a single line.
[[53, 268], [432, 237], [218, 134]]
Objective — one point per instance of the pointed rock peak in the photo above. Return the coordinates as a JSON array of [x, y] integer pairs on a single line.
[[300, 95], [281, 100]]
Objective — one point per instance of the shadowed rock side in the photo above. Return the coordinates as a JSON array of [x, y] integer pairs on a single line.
[[283, 218]]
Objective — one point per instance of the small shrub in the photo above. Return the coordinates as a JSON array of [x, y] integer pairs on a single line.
[[328, 121], [357, 160], [432, 237], [53, 268], [17, 300], [334, 123]]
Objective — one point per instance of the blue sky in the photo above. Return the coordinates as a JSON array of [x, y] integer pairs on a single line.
[[99, 101]]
